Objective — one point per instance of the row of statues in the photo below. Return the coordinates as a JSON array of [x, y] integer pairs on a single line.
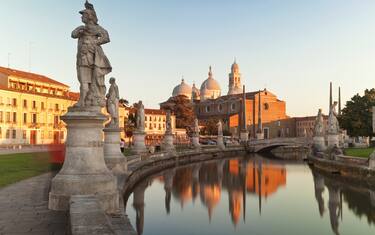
[[333, 124]]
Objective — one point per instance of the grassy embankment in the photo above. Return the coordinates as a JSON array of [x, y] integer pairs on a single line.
[[16, 167], [359, 152]]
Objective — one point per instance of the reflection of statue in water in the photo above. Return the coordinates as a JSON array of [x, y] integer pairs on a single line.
[[319, 189], [319, 124], [140, 117], [334, 207], [333, 124], [112, 103], [92, 64]]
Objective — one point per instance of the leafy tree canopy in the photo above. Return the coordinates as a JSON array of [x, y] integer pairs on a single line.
[[356, 117], [182, 108]]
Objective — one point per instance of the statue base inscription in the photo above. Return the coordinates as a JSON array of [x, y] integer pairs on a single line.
[[139, 145], [113, 157], [259, 136], [84, 171]]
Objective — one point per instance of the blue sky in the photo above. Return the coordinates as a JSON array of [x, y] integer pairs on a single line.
[[291, 47]]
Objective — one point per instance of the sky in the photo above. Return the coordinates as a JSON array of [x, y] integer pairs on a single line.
[[293, 48]]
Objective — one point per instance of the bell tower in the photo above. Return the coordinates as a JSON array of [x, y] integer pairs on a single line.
[[234, 80]]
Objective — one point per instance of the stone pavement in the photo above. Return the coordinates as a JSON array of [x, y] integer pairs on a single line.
[[24, 209]]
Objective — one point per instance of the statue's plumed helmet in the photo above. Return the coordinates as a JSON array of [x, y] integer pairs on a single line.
[[89, 9]]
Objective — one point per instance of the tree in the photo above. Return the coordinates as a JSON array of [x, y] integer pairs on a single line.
[[182, 108], [209, 126], [129, 126], [356, 117]]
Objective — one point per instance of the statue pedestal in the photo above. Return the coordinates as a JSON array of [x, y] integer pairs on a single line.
[[259, 136], [168, 143], [333, 140], [84, 171], [319, 143], [244, 136], [195, 141], [139, 145], [220, 142], [113, 157]]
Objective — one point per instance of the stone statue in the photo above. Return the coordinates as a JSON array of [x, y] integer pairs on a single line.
[[112, 103], [140, 117], [220, 128], [92, 64], [319, 124], [333, 124], [168, 123], [196, 127]]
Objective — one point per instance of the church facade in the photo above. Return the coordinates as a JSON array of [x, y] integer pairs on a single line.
[[264, 111]]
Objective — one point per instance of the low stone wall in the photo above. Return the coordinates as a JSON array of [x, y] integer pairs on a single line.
[[291, 152], [86, 214], [354, 169]]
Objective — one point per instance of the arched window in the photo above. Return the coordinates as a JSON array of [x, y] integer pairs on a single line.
[[207, 109], [233, 106], [220, 108]]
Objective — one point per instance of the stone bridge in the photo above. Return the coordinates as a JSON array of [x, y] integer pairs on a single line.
[[256, 146]]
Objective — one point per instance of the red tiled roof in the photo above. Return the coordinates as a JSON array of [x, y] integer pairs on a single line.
[[30, 76]]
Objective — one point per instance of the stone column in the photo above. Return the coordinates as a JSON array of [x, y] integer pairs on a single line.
[[84, 171], [259, 134], [220, 142], [113, 157]]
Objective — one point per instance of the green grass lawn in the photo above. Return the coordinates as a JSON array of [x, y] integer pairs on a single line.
[[359, 152], [16, 167]]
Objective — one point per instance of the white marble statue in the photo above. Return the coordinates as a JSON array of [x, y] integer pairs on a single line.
[[140, 117], [196, 126], [92, 64], [112, 103], [220, 128], [168, 123], [333, 124], [319, 124]]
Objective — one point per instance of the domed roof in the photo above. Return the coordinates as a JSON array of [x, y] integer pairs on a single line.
[[210, 83], [182, 89]]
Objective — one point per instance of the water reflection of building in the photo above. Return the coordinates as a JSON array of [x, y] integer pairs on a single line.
[[319, 189]]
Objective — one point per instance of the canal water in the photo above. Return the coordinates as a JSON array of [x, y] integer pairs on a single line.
[[249, 195]]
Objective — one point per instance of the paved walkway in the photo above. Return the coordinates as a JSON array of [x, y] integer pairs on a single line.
[[23, 209]]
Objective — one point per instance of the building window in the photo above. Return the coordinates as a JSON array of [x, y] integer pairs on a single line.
[[24, 118], [7, 117], [1, 133], [42, 105], [34, 104], [14, 102], [14, 134], [24, 134], [7, 134], [1, 116], [14, 117], [25, 103], [150, 126], [57, 107], [150, 119], [233, 106], [207, 109], [159, 127], [33, 118], [220, 108], [155, 125]]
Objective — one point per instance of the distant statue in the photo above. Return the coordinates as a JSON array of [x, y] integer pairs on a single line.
[[220, 128], [196, 126], [168, 123], [319, 124], [333, 124], [140, 121], [92, 64], [112, 103]]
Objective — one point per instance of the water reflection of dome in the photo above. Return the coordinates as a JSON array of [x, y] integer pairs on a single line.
[[210, 196], [182, 89], [235, 199], [182, 185]]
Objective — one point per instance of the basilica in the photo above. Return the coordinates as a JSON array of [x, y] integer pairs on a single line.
[[262, 111]]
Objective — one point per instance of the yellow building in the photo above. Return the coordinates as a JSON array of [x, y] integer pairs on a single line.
[[30, 108]]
